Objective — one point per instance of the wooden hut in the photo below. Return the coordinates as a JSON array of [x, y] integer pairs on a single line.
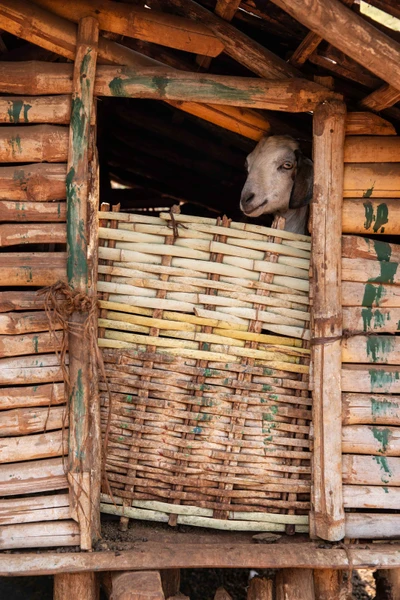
[[163, 360]]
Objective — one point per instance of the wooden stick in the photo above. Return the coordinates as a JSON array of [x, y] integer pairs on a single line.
[[375, 439], [33, 447], [38, 143], [371, 497], [371, 470], [37, 395], [371, 216], [378, 379], [361, 247], [26, 300], [133, 21], [76, 585], [329, 124], [260, 589], [32, 211], [77, 271], [332, 22], [353, 294], [23, 322], [42, 109], [367, 123], [42, 183], [372, 349], [30, 369], [294, 584]]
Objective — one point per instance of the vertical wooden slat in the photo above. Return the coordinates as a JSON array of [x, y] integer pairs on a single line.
[[77, 271], [82, 586], [329, 584], [329, 129], [294, 584]]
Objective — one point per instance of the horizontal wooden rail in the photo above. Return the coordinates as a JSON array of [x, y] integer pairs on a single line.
[[39, 183], [34, 233], [32, 343], [36, 395], [377, 249], [372, 294], [28, 269], [371, 319], [371, 439], [376, 409], [38, 143], [371, 497], [367, 123], [24, 421], [372, 215], [22, 212], [32, 476], [372, 349], [44, 368], [359, 469], [33, 447], [20, 300], [374, 149], [19, 110], [40, 535], [367, 181], [52, 507]]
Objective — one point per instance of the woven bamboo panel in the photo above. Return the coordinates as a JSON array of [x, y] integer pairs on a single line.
[[204, 326]]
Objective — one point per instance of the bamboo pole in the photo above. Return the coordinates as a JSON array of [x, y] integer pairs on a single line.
[[380, 440], [353, 295], [329, 124], [79, 469], [361, 247], [33, 447], [20, 300], [76, 585], [371, 497], [32, 268], [37, 395], [372, 526], [361, 470], [47, 534], [32, 477], [374, 349], [24, 421], [42, 109], [133, 21], [52, 507], [376, 379]]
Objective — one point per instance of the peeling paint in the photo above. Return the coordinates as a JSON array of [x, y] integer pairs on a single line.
[[379, 346], [382, 408], [382, 435], [381, 379]]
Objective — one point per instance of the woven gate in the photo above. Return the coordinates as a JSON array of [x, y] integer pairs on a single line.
[[204, 326]]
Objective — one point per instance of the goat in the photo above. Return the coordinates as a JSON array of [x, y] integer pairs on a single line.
[[279, 181]]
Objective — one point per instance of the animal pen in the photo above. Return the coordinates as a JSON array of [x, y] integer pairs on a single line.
[[165, 360]]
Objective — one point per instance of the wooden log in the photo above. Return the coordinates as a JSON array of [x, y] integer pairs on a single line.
[[371, 216], [18, 300], [76, 585], [137, 585], [79, 456], [15, 235], [134, 21], [226, 9], [222, 594], [372, 526], [372, 349], [37, 395], [361, 247], [387, 584], [360, 470], [329, 124], [37, 143], [32, 477], [367, 45], [356, 294], [294, 95], [371, 180], [21, 322], [260, 589], [23, 421], [367, 123], [374, 149], [373, 439], [378, 320], [30, 369], [33, 447], [371, 497], [294, 584], [378, 379], [305, 49], [366, 409], [32, 268], [32, 211], [42, 183], [382, 98], [328, 584], [39, 508], [41, 109], [39, 535]]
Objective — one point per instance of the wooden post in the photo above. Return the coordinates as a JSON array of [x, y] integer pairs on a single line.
[[79, 469], [328, 584], [82, 586], [329, 128], [137, 585], [260, 589], [294, 584], [388, 584]]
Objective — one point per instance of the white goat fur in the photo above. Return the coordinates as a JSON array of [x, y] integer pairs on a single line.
[[279, 181]]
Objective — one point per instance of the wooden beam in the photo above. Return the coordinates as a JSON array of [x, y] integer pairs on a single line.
[[79, 462], [32, 477], [59, 35], [77, 585], [366, 45], [32, 268], [225, 9], [370, 181], [137, 22], [364, 409], [305, 49], [366, 149], [382, 98], [47, 534], [153, 555], [260, 589], [329, 126], [367, 123]]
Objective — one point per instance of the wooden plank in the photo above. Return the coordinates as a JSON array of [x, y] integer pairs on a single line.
[[40, 109], [33, 447], [52, 507], [371, 409], [32, 268], [371, 470], [208, 554], [373, 439], [21, 322], [40, 183], [372, 180], [76, 585], [36, 395], [332, 21], [361, 247], [79, 457], [371, 496], [39, 535], [34, 369], [367, 319], [20, 300], [371, 216], [372, 526], [374, 149], [367, 123], [36, 143], [32, 211], [15, 235], [373, 272], [357, 294], [32, 477], [24, 421], [137, 585], [329, 125], [293, 95], [382, 98], [378, 379], [377, 349]]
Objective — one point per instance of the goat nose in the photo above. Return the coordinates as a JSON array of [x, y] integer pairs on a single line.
[[247, 199]]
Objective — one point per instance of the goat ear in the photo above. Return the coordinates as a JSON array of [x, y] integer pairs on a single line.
[[302, 190]]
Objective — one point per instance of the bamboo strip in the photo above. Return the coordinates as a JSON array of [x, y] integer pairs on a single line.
[[32, 477], [40, 508], [39, 535], [38, 395], [371, 496], [33, 447], [43, 233], [374, 439], [39, 109], [23, 212], [366, 409], [24, 421], [21, 345], [371, 470]]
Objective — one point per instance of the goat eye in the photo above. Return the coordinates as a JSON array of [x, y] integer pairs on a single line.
[[287, 165]]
